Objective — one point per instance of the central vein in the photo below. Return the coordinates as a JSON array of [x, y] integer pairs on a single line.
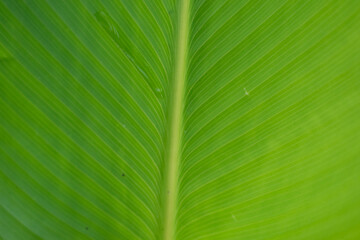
[[176, 113]]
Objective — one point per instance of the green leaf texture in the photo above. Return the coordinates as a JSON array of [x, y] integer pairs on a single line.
[[179, 119]]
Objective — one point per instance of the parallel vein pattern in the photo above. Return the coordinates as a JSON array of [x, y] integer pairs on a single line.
[[269, 121], [83, 113], [179, 119]]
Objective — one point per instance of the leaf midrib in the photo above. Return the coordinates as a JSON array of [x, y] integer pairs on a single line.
[[175, 127]]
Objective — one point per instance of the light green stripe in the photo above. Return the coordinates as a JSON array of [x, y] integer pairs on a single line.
[[176, 123]]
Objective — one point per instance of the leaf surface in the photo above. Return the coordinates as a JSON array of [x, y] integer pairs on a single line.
[[179, 119]]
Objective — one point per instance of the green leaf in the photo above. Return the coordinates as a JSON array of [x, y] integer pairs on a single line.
[[179, 119]]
